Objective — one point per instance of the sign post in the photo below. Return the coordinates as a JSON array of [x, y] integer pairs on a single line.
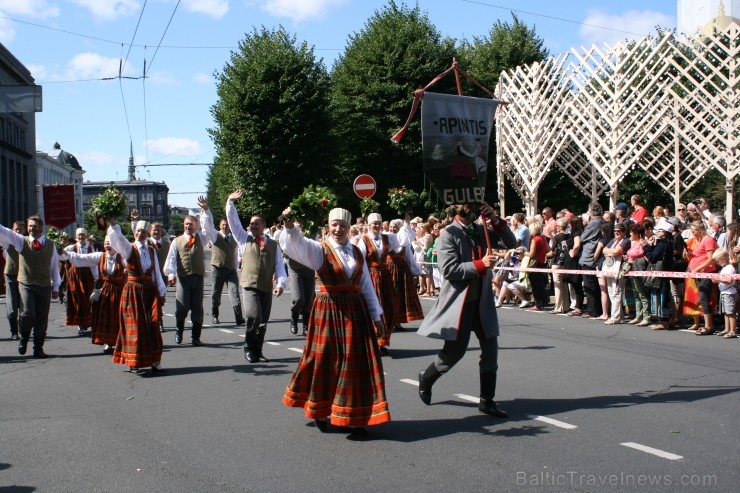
[[364, 186]]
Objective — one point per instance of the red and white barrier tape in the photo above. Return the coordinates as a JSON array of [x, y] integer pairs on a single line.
[[714, 276]]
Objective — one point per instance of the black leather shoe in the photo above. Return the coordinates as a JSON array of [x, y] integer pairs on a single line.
[[425, 392], [490, 408], [178, 337], [14, 337], [107, 349], [385, 351], [251, 355], [81, 332], [39, 354], [196, 342], [157, 369], [322, 425], [22, 347], [215, 321], [240, 321], [293, 328]]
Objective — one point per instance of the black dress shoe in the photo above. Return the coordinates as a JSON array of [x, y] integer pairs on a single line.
[[490, 408], [178, 337], [39, 354], [14, 337], [22, 347], [425, 392], [385, 351], [157, 369], [322, 425], [107, 349], [293, 328], [251, 355], [81, 332], [240, 321], [196, 342], [215, 321]]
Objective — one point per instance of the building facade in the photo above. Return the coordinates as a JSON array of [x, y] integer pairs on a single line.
[[148, 197], [17, 140], [59, 167]]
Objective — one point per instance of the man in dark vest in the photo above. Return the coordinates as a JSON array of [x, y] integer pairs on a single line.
[[12, 296], [38, 281], [224, 261], [261, 261], [185, 269]]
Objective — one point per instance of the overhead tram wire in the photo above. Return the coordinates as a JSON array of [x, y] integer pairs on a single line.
[[552, 17], [131, 44], [162, 38]]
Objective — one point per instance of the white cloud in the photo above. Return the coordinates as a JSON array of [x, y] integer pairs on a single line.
[[212, 8], [96, 158], [632, 24], [39, 9], [300, 10], [174, 146], [203, 79], [38, 72], [109, 9], [93, 66], [163, 78], [7, 30]]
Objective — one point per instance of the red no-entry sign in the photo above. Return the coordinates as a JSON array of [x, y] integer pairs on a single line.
[[364, 186]]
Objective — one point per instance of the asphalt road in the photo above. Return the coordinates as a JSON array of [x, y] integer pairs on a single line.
[[593, 408]]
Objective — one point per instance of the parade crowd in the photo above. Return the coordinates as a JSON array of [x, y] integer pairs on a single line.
[[370, 274]]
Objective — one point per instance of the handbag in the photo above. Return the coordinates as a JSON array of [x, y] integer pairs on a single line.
[[654, 282], [612, 265]]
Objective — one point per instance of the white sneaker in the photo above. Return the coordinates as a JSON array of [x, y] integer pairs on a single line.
[[524, 304], [498, 304]]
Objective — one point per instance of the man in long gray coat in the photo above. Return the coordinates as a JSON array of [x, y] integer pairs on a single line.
[[465, 303]]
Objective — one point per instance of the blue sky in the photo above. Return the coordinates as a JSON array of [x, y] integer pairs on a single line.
[[70, 45]]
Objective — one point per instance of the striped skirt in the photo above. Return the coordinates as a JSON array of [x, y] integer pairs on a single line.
[[386, 291], [409, 306], [80, 284], [340, 375], [139, 342], [106, 315]]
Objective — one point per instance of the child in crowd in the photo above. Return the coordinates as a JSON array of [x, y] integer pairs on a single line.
[[727, 291]]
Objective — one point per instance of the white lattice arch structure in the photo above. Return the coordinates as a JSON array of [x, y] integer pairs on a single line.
[[668, 105]]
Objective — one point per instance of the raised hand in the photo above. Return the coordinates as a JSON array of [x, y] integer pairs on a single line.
[[203, 203], [235, 195], [134, 214]]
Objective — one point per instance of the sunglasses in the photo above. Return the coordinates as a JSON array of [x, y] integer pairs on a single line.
[[682, 208]]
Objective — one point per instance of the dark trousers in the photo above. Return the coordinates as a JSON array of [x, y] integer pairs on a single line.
[[12, 297], [34, 313], [302, 292], [539, 289], [592, 292], [219, 277], [453, 351], [189, 298]]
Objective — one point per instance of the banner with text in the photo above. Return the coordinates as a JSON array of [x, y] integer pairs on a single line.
[[59, 205], [455, 133]]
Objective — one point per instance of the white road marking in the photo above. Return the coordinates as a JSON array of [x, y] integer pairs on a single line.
[[651, 450], [227, 331], [272, 343], [410, 382], [297, 350], [468, 398], [554, 422]]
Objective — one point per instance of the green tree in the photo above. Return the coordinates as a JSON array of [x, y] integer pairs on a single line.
[[272, 126], [507, 46], [373, 81]]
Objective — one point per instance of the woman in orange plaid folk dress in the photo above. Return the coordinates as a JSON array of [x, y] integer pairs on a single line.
[[139, 342], [339, 378]]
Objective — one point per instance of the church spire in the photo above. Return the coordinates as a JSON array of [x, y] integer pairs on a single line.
[[131, 167]]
